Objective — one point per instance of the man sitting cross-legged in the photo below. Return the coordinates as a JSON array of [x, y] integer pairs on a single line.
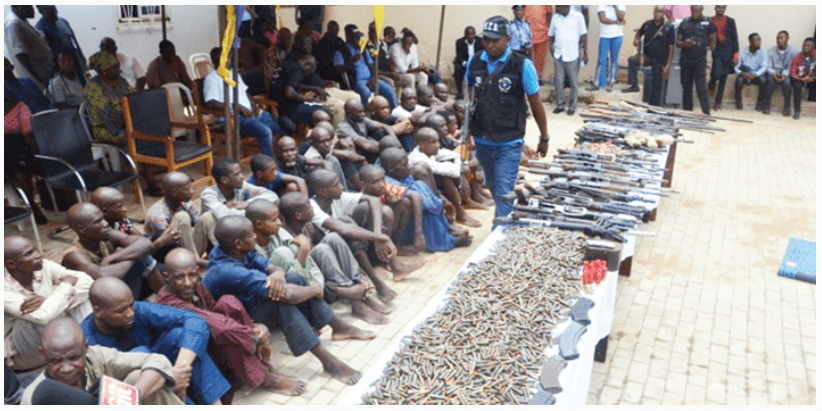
[[181, 335], [264, 173], [359, 219], [36, 291], [74, 370], [231, 194], [113, 205], [290, 161], [403, 128], [103, 252], [236, 343], [175, 211], [276, 299], [322, 148], [407, 207], [330, 264], [434, 224], [361, 130]]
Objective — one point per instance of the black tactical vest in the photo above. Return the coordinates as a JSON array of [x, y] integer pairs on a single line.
[[500, 110]]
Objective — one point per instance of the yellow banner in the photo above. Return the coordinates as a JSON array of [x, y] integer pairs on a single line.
[[279, 17], [228, 41], [363, 43], [379, 19]]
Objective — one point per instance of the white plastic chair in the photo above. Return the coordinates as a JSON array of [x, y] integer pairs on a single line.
[[180, 110], [200, 65]]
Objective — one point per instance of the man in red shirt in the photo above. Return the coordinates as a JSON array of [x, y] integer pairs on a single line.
[[540, 18], [803, 71]]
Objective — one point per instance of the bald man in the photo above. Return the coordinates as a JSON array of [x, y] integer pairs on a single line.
[[409, 106], [362, 131], [176, 212], [321, 149], [180, 335], [113, 205], [104, 252], [240, 346], [75, 366], [290, 161], [403, 128], [36, 291], [276, 299]]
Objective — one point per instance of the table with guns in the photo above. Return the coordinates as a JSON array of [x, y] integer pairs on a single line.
[[525, 317]]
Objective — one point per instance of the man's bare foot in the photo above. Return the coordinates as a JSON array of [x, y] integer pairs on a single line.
[[401, 270], [473, 205], [377, 305], [342, 372], [486, 201], [349, 332], [264, 353], [407, 251], [281, 384], [362, 311], [466, 219], [457, 231], [385, 294], [463, 241]]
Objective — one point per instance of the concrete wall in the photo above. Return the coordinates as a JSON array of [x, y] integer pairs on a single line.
[[193, 30]]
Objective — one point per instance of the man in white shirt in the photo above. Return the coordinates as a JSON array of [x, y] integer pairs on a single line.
[[404, 58], [611, 20], [130, 68], [566, 35], [27, 47], [408, 107], [254, 122], [232, 193]]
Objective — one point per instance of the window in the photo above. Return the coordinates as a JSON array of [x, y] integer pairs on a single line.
[[142, 15]]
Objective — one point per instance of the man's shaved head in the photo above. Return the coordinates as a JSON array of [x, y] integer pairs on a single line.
[[389, 141], [104, 195], [352, 104], [291, 204], [21, 256], [320, 115], [259, 209], [391, 156], [111, 202], [82, 214], [286, 141], [369, 172], [435, 120], [180, 259], [425, 134], [107, 292], [320, 179], [380, 108], [174, 180], [63, 346], [231, 228], [319, 132], [13, 246], [62, 331], [327, 126], [424, 95], [441, 91]]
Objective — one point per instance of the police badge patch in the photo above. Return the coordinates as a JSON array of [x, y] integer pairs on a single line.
[[505, 84]]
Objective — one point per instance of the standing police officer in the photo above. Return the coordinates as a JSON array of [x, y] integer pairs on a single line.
[[500, 80], [697, 35]]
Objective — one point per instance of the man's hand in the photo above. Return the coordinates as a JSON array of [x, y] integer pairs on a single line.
[[276, 285], [448, 210], [31, 304], [238, 205], [542, 147], [636, 42], [302, 241], [373, 82], [356, 57], [584, 57], [262, 341], [689, 43], [170, 236], [182, 379], [244, 112], [385, 249]]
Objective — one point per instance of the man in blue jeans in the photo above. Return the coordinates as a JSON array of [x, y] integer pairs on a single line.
[[500, 80], [254, 122], [360, 68]]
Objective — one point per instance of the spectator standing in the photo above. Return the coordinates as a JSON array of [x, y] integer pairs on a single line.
[[23, 89], [538, 17], [325, 50], [566, 36], [779, 71], [657, 37], [168, 67], [583, 10], [520, 32], [27, 47], [752, 68], [61, 39], [466, 46], [65, 88], [130, 68], [803, 71], [611, 20], [725, 55], [104, 93], [696, 35]]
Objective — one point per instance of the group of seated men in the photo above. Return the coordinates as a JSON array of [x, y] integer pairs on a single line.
[[309, 227]]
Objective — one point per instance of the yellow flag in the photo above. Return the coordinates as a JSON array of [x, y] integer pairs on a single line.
[[379, 19], [279, 17], [363, 43], [228, 41]]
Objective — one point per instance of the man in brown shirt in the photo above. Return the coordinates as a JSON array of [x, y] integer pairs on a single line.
[[167, 68]]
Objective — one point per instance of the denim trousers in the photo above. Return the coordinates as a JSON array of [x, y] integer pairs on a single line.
[[500, 165], [263, 128], [608, 46], [361, 87]]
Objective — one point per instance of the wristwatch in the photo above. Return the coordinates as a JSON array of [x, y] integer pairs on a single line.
[[546, 139]]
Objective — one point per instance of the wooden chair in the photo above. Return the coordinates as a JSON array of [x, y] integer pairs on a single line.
[[148, 118], [249, 146]]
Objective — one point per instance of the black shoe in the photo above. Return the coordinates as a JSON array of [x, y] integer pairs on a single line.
[[40, 218], [739, 106], [766, 111], [592, 88], [571, 111], [786, 113], [632, 89], [558, 110], [796, 116]]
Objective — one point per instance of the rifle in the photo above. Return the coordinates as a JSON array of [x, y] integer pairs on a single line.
[[681, 113], [588, 229], [464, 138], [606, 206]]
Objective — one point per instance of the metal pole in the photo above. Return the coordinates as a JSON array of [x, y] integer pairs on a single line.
[[439, 39], [377, 67], [235, 75], [163, 15]]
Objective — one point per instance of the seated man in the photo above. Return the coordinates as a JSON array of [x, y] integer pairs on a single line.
[[404, 204], [405, 61], [291, 162], [408, 107], [264, 173], [752, 68], [275, 299], [285, 89], [231, 194], [65, 347], [113, 205], [403, 128], [779, 68], [176, 212], [238, 344], [104, 252], [321, 148], [361, 130], [329, 264], [360, 220], [803, 72], [359, 67], [180, 335], [425, 97], [66, 88], [332, 97], [434, 224], [36, 291], [253, 121], [168, 67], [442, 96]]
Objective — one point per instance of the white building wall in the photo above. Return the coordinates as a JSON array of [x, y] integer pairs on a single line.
[[193, 29]]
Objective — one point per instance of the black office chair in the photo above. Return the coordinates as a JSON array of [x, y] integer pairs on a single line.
[[65, 155], [14, 214]]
